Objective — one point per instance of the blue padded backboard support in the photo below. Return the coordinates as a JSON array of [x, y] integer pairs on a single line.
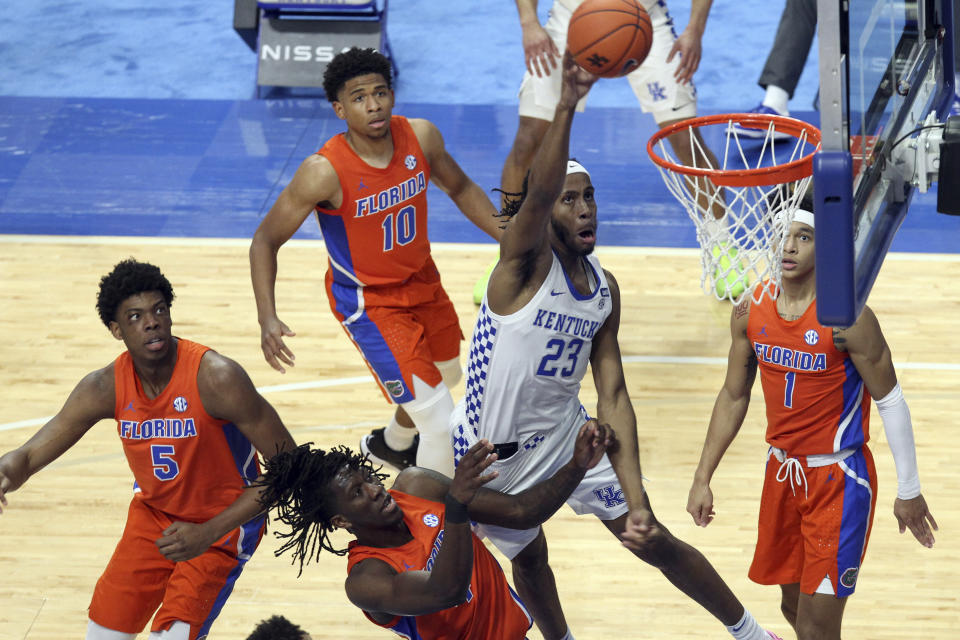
[[832, 210]]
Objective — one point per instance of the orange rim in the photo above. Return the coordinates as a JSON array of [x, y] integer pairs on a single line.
[[777, 174]]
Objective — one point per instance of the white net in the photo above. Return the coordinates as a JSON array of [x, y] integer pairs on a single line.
[[740, 227]]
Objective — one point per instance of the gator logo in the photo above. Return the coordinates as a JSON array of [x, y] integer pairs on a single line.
[[394, 387], [849, 577]]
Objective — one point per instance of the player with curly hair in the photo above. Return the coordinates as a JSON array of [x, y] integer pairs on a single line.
[[190, 422], [415, 566], [368, 187]]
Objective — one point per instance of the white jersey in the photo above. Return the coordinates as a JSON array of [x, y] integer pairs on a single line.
[[573, 4], [524, 369]]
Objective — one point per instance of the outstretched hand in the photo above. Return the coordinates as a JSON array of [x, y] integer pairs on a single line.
[[469, 476], [576, 81], [913, 514], [593, 440], [271, 342]]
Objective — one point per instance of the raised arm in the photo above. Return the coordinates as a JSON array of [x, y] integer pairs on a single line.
[[689, 43], [228, 393], [870, 354], [90, 401], [314, 182], [525, 246], [729, 410], [539, 50], [447, 174]]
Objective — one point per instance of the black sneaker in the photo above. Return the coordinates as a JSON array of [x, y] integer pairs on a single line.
[[374, 446]]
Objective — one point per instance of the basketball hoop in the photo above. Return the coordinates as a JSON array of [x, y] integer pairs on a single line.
[[758, 185]]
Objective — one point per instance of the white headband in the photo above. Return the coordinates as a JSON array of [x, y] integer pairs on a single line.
[[575, 167], [804, 217]]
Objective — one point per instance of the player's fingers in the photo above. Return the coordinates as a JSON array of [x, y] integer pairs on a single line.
[[927, 515], [533, 65]]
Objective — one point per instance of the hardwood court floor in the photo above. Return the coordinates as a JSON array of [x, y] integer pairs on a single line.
[[59, 530]]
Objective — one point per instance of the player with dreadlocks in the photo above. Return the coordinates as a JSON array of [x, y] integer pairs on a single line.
[[368, 188], [190, 422], [415, 566]]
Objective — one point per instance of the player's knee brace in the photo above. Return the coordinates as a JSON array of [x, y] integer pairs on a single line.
[[430, 412], [451, 372]]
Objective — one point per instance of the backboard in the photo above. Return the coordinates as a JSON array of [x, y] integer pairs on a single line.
[[885, 65]]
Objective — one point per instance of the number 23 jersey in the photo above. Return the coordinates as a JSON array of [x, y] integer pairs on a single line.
[[524, 369]]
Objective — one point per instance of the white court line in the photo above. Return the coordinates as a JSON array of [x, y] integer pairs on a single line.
[[667, 360]]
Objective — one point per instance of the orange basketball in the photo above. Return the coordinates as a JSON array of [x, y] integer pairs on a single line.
[[610, 38]]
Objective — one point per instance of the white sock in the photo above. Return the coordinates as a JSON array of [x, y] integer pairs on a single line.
[[777, 98], [568, 636], [98, 632], [748, 628], [397, 436]]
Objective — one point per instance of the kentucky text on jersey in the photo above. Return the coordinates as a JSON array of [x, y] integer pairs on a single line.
[[563, 323], [159, 428], [391, 197], [800, 360]]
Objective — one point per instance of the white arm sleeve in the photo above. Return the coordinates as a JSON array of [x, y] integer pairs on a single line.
[[899, 430]]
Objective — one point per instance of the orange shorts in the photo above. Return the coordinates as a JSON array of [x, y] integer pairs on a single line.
[[819, 529], [400, 330], [139, 581]]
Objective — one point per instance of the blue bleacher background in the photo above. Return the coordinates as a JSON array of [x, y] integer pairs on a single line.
[[123, 118]]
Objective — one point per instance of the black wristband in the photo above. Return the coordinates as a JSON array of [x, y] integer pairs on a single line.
[[456, 511]]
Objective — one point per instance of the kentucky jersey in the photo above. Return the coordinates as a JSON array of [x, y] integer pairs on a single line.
[[378, 235], [186, 463], [524, 369], [816, 400], [492, 610]]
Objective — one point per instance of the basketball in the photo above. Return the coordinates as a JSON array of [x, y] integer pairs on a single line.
[[610, 38]]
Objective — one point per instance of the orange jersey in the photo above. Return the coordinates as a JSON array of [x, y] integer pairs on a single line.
[[186, 463], [492, 610], [378, 235], [816, 400]]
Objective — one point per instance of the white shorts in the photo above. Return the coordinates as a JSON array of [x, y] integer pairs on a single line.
[[537, 459], [652, 82]]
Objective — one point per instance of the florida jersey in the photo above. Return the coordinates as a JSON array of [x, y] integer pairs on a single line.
[[378, 235], [524, 369], [816, 400], [186, 463], [492, 610]]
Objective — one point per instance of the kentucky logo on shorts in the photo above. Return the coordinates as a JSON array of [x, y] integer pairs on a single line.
[[431, 520], [849, 577], [410, 162], [394, 387], [180, 404], [610, 495], [811, 337]]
